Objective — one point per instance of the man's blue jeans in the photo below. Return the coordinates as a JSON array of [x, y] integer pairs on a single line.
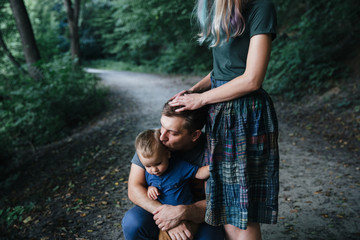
[[138, 224]]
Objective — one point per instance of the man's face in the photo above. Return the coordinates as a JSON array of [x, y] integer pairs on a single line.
[[174, 135]]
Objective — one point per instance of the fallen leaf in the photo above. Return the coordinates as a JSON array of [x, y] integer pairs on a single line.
[[28, 219], [318, 192]]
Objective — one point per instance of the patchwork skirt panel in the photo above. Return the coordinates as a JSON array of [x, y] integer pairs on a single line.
[[242, 152]]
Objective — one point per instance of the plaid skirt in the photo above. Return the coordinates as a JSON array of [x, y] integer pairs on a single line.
[[243, 155]]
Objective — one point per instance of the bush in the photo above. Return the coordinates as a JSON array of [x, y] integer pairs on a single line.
[[154, 33], [309, 54], [38, 112]]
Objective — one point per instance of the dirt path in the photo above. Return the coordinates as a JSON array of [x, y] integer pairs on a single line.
[[80, 191]]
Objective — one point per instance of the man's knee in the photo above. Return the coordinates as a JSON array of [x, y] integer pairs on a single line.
[[138, 224], [131, 221]]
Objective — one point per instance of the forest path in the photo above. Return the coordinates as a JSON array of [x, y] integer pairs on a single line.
[[80, 190], [319, 185]]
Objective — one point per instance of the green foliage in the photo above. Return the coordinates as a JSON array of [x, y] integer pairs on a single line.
[[309, 54], [10, 33], [154, 33], [49, 36], [98, 21], [11, 215], [37, 112]]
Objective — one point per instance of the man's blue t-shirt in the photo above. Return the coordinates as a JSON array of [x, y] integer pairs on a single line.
[[173, 184]]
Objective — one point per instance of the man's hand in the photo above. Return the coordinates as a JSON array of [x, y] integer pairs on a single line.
[[167, 216], [153, 192], [181, 232]]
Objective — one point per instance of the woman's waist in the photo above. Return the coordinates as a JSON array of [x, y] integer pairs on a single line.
[[217, 83], [259, 92]]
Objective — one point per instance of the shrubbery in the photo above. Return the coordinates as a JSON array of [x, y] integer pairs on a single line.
[[155, 33], [38, 112], [315, 38]]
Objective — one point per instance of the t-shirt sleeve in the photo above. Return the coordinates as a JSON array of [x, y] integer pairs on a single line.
[[263, 19], [188, 170], [136, 160]]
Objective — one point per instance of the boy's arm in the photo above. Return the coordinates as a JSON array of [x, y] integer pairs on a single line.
[[203, 173], [137, 189]]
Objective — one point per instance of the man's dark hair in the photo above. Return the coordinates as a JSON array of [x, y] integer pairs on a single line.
[[194, 119]]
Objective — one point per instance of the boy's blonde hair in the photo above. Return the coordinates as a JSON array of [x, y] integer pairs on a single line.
[[148, 143]]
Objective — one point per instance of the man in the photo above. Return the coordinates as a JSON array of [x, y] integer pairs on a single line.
[[180, 133]]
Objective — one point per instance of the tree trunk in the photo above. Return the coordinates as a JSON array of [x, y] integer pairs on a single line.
[[24, 27], [8, 53], [23, 24], [73, 20]]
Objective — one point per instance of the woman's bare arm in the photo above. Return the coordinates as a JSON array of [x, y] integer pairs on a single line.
[[251, 80]]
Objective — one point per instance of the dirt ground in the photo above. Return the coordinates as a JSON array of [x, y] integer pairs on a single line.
[[77, 188]]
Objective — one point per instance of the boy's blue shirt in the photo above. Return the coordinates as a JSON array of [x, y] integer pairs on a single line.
[[173, 184]]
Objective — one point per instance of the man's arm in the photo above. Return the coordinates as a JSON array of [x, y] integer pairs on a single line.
[[137, 189], [166, 216]]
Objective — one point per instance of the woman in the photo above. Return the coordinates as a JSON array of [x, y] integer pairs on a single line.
[[242, 130]]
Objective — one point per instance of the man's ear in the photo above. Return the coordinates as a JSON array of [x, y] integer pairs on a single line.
[[195, 135]]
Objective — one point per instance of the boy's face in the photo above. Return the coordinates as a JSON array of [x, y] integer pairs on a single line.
[[157, 164]]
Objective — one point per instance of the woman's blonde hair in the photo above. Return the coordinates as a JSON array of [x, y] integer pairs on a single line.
[[148, 143], [219, 20]]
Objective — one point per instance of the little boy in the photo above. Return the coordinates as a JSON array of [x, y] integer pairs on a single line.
[[167, 177]]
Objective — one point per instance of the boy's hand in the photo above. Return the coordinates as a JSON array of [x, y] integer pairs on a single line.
[[153, 192]]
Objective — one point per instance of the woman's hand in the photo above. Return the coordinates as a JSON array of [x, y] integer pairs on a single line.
[[179, 94], [187, 102]]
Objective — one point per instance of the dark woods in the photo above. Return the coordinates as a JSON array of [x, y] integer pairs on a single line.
[[44, 92]]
